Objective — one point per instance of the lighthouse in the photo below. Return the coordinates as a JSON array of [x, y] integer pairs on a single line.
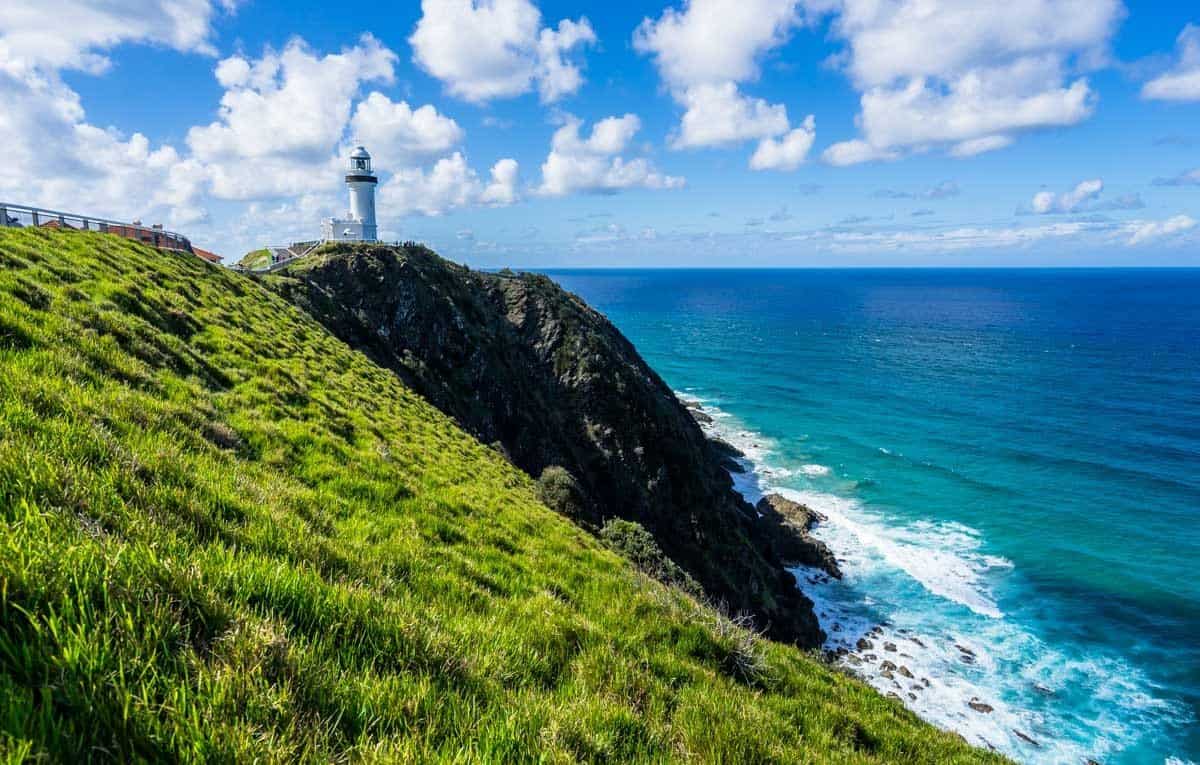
[[359, 225]]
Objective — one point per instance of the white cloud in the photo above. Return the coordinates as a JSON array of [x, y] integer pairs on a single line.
[[53, 154], [703, 52], [396, 133], [1141, 232], [855, 152], [1182, 82], [967, 77], [1069, 201], [503, 187], [714, 41], [556, 76], [53, 35], [594, 164], [789, 151], [448, 185], [718, 115], [293, 103], [1085, 197], [486, 49]]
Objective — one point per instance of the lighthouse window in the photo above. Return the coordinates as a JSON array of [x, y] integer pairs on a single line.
[[360, 164]]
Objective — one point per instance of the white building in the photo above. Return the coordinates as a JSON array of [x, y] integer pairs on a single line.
[[359, 225]]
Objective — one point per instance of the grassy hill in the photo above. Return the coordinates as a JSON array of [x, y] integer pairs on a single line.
[[225, 536], [256, 259]]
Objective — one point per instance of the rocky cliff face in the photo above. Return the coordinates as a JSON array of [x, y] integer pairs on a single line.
[[528, 366]]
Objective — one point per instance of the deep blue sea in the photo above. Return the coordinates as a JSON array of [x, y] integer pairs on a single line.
[[1009, 461]]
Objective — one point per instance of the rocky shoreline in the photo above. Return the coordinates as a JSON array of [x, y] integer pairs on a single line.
[[878, 653]]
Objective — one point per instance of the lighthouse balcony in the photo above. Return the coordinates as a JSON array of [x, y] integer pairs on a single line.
[[347, 230]]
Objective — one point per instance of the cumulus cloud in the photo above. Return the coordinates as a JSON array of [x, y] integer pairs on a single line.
[[291, 106], [788, 151], [595, 164], [1085, 197], [966, 77], [1182, 81], [502, 190], [74, 34], [104, 171], [718, 115], [1070, 201], [703, 52], [487, 49], [396, 132]]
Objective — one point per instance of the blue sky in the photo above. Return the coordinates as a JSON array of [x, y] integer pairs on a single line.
[[703, 133]]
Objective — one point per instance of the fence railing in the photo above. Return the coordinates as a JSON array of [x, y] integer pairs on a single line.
[[20, 216]]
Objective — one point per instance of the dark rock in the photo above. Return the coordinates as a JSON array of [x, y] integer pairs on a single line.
[[520, 361], [979, 706], [697, 411], [887, 665], [728, 456], [787, 524], [1025, 738], [864, 645], [905, 671], [889, 647]]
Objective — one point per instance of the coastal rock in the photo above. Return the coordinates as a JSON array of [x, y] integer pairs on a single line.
[[728, 456], [1024, 737], [697, 411], [517, 360], [864, 645], [788, 524], [979, 706]]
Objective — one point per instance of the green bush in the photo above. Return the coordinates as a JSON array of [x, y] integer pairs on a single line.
[[561, 493], [631, 541]]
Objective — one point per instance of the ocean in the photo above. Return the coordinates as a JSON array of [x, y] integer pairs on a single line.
[[1009, 461]]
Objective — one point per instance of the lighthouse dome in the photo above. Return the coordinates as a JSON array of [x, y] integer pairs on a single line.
[[360, 153]]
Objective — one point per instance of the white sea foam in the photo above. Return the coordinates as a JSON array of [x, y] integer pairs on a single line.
[[927, 590], [943, 557]]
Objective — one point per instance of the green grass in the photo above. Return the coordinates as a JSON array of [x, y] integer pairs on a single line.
[[225, 536], [256, 259]]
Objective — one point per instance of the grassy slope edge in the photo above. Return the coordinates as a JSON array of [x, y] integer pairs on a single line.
[[224, 535]]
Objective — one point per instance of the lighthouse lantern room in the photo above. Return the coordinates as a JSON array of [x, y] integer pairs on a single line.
[[359, 225]]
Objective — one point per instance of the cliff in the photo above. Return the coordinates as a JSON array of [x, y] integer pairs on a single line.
[[519, 362]]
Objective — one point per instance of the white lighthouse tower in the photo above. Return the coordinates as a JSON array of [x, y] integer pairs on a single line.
[[360, 225]]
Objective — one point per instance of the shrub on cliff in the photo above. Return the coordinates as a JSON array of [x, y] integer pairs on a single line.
[[632, 542], [560, 492]]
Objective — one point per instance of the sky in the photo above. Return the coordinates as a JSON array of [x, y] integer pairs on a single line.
[[695, 133]]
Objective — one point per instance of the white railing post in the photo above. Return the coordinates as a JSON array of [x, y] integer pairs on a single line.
[[35, 218]]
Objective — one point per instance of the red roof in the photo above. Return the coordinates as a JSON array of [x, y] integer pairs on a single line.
[[211, 257]]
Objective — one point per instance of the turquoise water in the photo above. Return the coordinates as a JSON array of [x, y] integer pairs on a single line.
[[1010, 464]]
